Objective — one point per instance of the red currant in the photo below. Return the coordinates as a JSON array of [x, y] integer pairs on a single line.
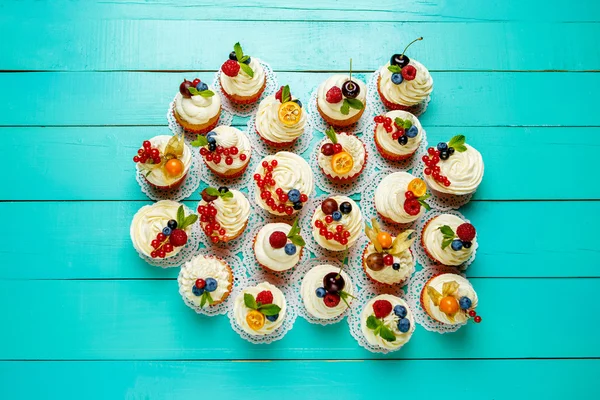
[[477, 319], [388, 259], [436, 169], [289, 210], [200, 283], [155, 243], [233, 151], [146, 144], [270, 202], [136, 159], [257, 177], [378, 119], [337, 148], [431, 151], [329, 235], [436, 175], [228, 160], [203, 152], [344, 241], [387, 121], [283, 198], [427, 171], [263, 195], [161, 237], [209, 157], [303, 198], [388, 129], [203, 218], [346, 234], [243, 157], [472, 313], [214, 239], [395, 136], [222, 232], [265, 164], [154, 254], [168, 247], [328, 219], [409, 194], [281, 208], [219, 150], [279, 191], [339, 228], [274, 163], [337, 236], [161, 253], [323, 231], [425, 158]]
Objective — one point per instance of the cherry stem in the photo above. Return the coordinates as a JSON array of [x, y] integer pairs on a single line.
[[406, 48], [350, 69]]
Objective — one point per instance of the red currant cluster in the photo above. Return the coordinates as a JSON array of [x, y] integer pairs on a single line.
[[386, 121], [432, 168], [475, 317], [340, 235], [210, 225], [265, 184], [147, 152], [167, 239], [222, 154]]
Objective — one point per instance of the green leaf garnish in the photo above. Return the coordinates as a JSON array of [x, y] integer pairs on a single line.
[[345, 108], [344, 296], [387, 334], [250, 302], [285, 94], [330, 132], [180, 216], [298, 241], [246, 68], [394, 69], [206, 297], [404, 123], [204, 93], [200, 141], [245, 58], [269, 309], [355, 103], [227, 195], [239, 54], [458, 143], [446, 242], [448, 235], [422, 202], [212, 191], [189, 220], [294, 234], [373, 323]]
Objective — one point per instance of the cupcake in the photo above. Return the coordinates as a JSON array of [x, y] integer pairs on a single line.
[[388, 259], [326, 291], [449, 299], [398, 135], [400, 198], [453, 168], [280, 119], [205, 281], [341, 100], [342, 157], [337, 223], [164, 161], [223, 213], [260, 310], [449, 240], [278, 246], [226, 151], [161, 230], [404, 84], [386, 322], [284, 182], [196, 107], [242, 78]]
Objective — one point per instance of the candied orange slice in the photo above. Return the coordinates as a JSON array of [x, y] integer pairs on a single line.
[[342, 163], [255, 320], [418, 187], [290, 113]]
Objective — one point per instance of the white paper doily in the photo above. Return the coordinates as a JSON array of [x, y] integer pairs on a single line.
[[415, 287], [354, 320], [238, 183], [262, 148], [375, 101], [184, 254], [422, 257], [441, 201], [319, 123], [226, 118], [245, 110], [240, 280], [189, 186]]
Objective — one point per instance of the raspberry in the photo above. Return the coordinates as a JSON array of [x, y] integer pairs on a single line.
[[409, 72], [412, 207], [334, 95], [382, 308], [331, 299], [466, 232], [178, 237], [265, 297], [230, 68], [278, 239]]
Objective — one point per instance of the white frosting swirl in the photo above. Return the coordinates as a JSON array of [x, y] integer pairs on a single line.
[[351, 145], [388, 274], [203, 267], [274, 259], [291, 172], [390, 196], [465, 289], [464, 170], [333, 110], [242, 84], [392, 146], [228, 136], [433, 237], [271, 128], [232, 212], [391, 321], [315, 305], [158, 177], [197, 109], [240, 310], [407, 93], [351, 222], [149, 221]]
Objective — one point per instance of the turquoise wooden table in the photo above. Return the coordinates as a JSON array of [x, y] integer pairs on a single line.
[[83, 83]]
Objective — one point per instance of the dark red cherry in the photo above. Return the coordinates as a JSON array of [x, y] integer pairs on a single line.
[[207, 197], [350, 89], [333, 282], [329, 206], [327, 149], [399, 60], [375, 262], [183, 88]]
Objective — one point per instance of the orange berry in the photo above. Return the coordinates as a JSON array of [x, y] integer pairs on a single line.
[[449, 305], [384, 239], [418, 187], [174, 167], [255, 320]]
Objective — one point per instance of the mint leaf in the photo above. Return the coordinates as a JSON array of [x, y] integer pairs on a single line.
[[200, 141], [269, 309], [398, 121], [456, 141], [189, 220], [246, 68], [249, 301], [203, 299], [345, 108], [372, 322], [330, 132], [446, 242], [387, 334], [209, 297], [285, 94], [295, 229], [245, 58], [460, 148], [355, 103], [423, 204], [298, 240], [394, 69], [407, 124], [180, 216], [446, 230], [206, 93], [193, 91], [227, 195], [212, 191], [239, 54]]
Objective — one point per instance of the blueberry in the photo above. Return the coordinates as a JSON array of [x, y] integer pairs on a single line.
[[467, 245], [450, 150], [400, 311], [172, 224], [337, 215], [212, 146], [465, 303], [211, 284], [232, 56], [272, 318], [211, 137], [201, 86], [321, 292], [197, 291], [290, 249], [404, 325], [402, 140], [298, 205], [166, 231], [442, 146], [294, 195], [397, 78], [248, 61], [346, 207], [297, 102], [223, 189], [456, 245], [412, 132], [444, 155], [396, 266]]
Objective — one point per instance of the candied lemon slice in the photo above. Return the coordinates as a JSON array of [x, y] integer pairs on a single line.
[[342, 162], [255, 320], [418, 187], [290, 113]]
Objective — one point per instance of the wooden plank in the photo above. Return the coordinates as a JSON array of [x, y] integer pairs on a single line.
[[51, 174], [501, 99], [147, 320], [97, 44], [525, 379]]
